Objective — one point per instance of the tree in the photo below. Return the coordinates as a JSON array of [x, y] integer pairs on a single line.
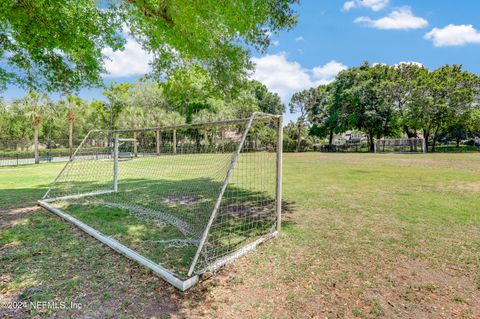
[[464, 126], [117, 96], [267, 101], [301, 103], [325, 115], [364, 102], [73, 104], [440, 97], [57, 46], [399, 86], [35, 105], [190, 90]]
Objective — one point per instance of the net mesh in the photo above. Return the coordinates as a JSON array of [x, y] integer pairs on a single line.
[[403, 145], [168, 182]]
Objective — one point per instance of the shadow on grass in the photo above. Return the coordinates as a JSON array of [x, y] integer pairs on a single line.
[[147, 215], [21, 197], [44, 258]]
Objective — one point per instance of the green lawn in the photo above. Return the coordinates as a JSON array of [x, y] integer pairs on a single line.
[[364, 235]]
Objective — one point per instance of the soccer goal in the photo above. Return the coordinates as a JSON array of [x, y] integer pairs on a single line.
[[400, 145], [181, 200]]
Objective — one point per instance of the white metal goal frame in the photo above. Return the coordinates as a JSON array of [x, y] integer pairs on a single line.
[[219, 214], [401, 145]]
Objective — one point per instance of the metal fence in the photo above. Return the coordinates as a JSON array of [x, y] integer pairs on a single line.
[[21, 152]]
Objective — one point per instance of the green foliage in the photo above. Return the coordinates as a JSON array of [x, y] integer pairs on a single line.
[[57, 46], [388, 101], [267, 101], [188, 96], [301, 103]]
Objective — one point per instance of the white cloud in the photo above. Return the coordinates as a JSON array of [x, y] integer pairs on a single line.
[[327, 73], [375, 5], [300, 38], [400, 19], [454, 35], [275, 43], [286, 77], [133, 60], [280, 75]]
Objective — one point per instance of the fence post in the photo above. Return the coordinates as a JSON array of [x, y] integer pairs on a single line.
[[158, 141], [115, 163], [174, 141], [278, 190]]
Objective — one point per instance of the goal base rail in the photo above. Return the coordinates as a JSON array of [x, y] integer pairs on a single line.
[[124, 250]]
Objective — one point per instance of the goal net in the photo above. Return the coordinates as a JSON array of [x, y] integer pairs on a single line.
[[400, 145], [180, 200]]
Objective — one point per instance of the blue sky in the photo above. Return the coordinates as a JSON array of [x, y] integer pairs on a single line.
[[334, 34]]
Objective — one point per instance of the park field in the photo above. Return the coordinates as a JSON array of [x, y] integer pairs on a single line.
[[364, 236]]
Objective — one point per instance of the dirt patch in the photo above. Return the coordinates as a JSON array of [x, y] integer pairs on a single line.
[[11, 216], [419, 291], [473, 187], [250, 210], [182, 200]]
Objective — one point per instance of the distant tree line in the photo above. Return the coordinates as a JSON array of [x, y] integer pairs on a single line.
[[188, 96], [389, 102]]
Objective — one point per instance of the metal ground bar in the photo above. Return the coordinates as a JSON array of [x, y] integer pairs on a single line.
[[115, 245]]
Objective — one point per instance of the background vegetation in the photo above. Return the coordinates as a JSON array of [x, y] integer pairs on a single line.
[[405, 100]]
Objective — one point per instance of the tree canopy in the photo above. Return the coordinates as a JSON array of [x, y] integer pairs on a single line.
[[59, 45], [393, 101]]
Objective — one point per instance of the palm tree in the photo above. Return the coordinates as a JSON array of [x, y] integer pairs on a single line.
[[35, 104], [73, 104]]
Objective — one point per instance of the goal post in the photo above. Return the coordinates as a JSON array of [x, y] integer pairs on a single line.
[[400, 145], [193, 198]]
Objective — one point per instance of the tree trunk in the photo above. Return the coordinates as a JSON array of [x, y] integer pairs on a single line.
[[434, 141], [299, 138], [426, 136], [330, 138], [35, 144], [135, 146], [458, 142], [409, 133], [372, 145], [70, 138], [174, 141], [158, 141]]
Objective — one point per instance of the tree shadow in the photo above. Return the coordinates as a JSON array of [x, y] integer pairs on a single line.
[[164, 220], [44, 259]]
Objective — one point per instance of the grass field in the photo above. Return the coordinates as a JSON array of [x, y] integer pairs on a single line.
[[366, 236]]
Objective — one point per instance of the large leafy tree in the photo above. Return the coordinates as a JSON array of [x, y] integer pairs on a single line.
[[117, 95], [189, 90], [301, 104], [268, 102], [442, 97], [58, 45], [364, 101], [326, 114], [398, 88]]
